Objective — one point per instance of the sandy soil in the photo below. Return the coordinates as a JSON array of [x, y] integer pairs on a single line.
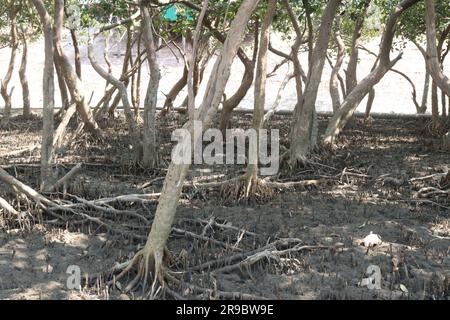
[[393, 87], [338, 213]]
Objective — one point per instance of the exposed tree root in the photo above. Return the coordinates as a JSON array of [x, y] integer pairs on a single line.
[[246, 190], [148, 262]]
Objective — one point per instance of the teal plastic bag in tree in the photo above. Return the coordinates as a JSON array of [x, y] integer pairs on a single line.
[[170, 13]]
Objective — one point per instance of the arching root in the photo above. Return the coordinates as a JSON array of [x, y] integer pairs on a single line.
[[246, 190], [148, 261]]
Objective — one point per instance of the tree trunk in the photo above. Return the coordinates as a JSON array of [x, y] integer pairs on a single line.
[[150, 155], [176, 173], [5, 81], [334, 81], [173, 93], [47, 178], [444, 104], [23, 78], [192, 64], [434, 106], [309, 23], [231, 103], [260, 89], [137, 93], [426, 88], [432, 57], [228, 105], [77, 55], [61, 83], [299, 75], [123, 78], [123, 94], [369, 104], [351, 74], [303, 134], [73, 82], [354, 97]]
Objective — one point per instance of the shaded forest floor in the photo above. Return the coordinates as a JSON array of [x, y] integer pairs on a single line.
[[362, 186]]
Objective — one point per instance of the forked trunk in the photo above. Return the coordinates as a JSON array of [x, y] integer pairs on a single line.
[[123, 94], [354, 97], [303, 133], [176, 173], [73, 82]]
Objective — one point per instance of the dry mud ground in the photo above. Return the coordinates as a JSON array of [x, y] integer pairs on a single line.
[[351, 198]]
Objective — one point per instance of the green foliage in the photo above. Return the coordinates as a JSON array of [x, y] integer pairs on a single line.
[[412, 23], [27, 20]]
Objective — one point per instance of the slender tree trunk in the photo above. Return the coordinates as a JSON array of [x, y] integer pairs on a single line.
[[61, 84], [426, 88], [310, 31], [299, 75], [123, 94], [354, 97], [47, 178], [173, 93], [351, 72], [176, 173], [444, 104], [231, 103], [77, 54], [73, 82], [432, 57], [23, 78], [192, 64], [150, 156], [260, 88], [334, 81], [303, 134], [369, 104], [137, 94], [228, 105], [434, 106], [5, 81], [126, 80], [133, 87]]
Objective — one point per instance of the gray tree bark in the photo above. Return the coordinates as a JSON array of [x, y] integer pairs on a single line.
[[47, 178], [23, 77], [154, 249], [260, 87], [334, 79], [150, 154], [5, 81], [303, 134], [349, 105], [73, 82]]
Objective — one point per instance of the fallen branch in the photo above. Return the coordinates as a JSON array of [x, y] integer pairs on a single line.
[[268, 254], [243, 255]]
